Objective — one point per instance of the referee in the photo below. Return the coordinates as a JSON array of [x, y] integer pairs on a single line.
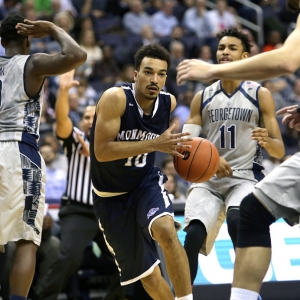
[[78, 223]]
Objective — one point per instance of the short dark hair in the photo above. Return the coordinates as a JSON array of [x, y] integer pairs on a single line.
[[153, 51], [8, 31], [239, 35]]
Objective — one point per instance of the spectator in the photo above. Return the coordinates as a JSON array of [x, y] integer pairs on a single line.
[[87, 41], [177, 56], [221, 18], [126, 74], [167, 167], [164, 21], [273, 39], [136, 18], [105, 71], [56, 178], [148, 36], [61, 161], [174, 194], [195, 20], [74, 112], [182, 111]]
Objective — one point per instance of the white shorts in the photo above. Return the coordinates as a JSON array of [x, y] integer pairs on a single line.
[[209, 201], [279, 191], [22, 197]]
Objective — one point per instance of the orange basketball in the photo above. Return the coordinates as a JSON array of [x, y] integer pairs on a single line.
[[200, 162]]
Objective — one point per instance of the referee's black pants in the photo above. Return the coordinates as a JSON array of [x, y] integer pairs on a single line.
[[78, 227]]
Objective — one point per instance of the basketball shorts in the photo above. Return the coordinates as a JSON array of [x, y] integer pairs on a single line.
[[210, 200], [279, 191], [126, 223], [22, 198]]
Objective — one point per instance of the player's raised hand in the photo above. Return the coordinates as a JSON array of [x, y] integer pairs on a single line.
[[193, 69], [169, 142], [224, 169], [292, 116], [85, 149], [261, 135], [35, 29], [66, 81]]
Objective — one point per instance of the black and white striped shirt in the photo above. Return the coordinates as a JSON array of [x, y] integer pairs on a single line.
[[79, 184]]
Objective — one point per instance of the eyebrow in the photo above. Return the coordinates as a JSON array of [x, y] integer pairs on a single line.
[[149, 68], [231, 45]]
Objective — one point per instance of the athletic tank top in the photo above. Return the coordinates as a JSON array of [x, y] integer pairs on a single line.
[[229, 120], [19, 114], [123, 175]]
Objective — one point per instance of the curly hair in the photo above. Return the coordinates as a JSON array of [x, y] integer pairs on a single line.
[[153, 51], [239, 35], [8, 31]]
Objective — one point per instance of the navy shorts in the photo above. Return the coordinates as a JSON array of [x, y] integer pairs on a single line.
[[126, 223]]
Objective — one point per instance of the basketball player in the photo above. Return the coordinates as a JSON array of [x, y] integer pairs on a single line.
[[78, 225], [273, 197], [130, 201], [22, 169], [238, 117]]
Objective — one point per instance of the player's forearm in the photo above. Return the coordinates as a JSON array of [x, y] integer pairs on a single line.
[[275, 148], [117, 150], [62, 105], [263, 66]]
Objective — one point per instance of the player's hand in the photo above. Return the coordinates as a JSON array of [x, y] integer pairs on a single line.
[[193, 69], [292, 116], [85, 149], [66, 81], [224, 169], [261, 135], [35, 29], [170, 143]]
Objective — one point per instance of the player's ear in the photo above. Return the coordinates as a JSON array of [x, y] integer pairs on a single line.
[[245, 55], [135, 74]]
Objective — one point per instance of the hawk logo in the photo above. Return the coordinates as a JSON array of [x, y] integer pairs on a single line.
[[152, 211], [186, 154]]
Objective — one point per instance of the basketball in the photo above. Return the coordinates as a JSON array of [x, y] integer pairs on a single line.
[[200, 162]]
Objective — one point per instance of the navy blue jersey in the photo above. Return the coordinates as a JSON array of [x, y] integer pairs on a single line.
[[123, 175]]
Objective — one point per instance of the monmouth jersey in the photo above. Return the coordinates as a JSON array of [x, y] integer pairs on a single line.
[[19, 113], [229, 120], [135, 126]]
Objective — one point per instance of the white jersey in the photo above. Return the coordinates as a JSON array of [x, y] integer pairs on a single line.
[[19, 114], [228, 122]]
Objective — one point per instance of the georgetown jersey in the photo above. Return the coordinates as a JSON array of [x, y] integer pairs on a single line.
[[19, 114], [123, 175], [228, 122]]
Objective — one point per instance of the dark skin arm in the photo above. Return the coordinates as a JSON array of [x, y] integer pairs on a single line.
[[41, 64]]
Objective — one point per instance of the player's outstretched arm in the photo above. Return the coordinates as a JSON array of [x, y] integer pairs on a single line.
[[270, 64], [268, 134], [64, 124], [108, 123]]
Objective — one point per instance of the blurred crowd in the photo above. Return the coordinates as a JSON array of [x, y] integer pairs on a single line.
[[111, 31]]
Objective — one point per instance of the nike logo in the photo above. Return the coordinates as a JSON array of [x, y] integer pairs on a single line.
[[130, 104]]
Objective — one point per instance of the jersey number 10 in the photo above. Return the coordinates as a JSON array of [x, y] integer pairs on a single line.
[[138, 161]]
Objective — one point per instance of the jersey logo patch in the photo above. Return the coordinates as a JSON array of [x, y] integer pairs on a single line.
[[152, 211]]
